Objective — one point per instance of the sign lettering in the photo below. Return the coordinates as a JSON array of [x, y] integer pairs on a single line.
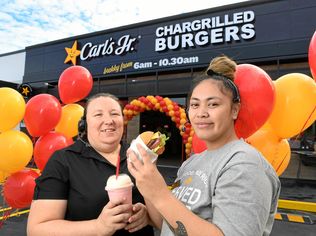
[[124, 44], [206, 31]]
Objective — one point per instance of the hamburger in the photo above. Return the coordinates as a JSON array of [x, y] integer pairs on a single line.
[[154, 141]]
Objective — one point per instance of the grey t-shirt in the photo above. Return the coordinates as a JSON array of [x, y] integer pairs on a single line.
[[233, 187]]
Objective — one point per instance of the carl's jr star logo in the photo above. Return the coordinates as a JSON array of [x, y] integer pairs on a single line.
[[72, 54]]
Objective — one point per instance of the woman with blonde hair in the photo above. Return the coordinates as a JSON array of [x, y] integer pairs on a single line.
[[69, 197]]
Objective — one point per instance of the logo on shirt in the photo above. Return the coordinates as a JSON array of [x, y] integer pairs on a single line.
[[190, 191]]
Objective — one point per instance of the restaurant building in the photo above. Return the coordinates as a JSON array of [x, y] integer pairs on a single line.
[[160, 57]]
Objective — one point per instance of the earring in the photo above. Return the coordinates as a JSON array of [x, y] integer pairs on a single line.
[[235, 115]]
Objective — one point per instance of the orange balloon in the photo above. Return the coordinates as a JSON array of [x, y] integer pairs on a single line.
[[276, 151], [130, 112], [12, 107], [16, 151], [284, 153], [68, 123], [295, 104]]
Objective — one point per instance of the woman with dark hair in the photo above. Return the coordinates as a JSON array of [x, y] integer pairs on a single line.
[[229, 189], [70, 198]]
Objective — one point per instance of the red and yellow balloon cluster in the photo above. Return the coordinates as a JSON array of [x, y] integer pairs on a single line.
[[164, 105], [16, 149], [294, 112], [46, 119], [54, 124]]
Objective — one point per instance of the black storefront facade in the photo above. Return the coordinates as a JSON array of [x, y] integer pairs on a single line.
[[161, 57], [145, 58]]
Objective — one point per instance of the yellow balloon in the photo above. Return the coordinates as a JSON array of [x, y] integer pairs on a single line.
[[68, 123], [16, 150], [295, 103], [3, 176], [276, 151], [12, 108]]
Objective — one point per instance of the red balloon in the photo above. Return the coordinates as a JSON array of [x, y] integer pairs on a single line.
[[312, 55], [42, 114], [75, 83], [46, 145], [159, 98], [198, 145], [257, 95], [18, 189]]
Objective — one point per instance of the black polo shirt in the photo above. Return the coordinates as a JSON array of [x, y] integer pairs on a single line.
[[78, 174]]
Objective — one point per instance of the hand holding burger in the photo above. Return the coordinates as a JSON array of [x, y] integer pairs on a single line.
[[154, 144]]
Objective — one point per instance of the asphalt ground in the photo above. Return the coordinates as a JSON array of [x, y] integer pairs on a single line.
[[16, 226]]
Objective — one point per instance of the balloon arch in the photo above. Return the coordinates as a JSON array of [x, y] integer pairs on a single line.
[[164, 105]]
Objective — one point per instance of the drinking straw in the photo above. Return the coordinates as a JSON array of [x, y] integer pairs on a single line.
[[118, 165]]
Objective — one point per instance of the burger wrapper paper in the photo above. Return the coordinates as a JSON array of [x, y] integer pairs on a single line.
[[153, 156]]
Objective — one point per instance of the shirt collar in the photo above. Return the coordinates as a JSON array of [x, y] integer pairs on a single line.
[[86, 151]]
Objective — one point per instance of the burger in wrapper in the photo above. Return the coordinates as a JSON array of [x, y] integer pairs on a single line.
[[153, 143]]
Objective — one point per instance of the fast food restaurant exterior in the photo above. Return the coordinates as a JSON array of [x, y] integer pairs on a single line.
[[160, 57]]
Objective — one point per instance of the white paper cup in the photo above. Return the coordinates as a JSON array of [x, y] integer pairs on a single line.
[[153, 156]]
